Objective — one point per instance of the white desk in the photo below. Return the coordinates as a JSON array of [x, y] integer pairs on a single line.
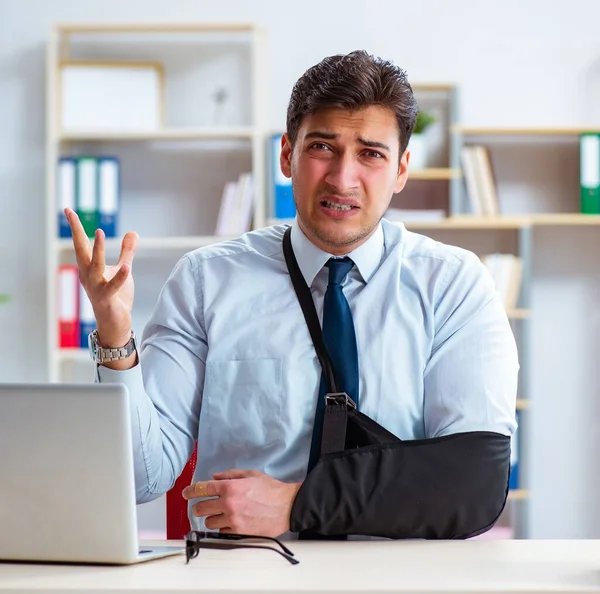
[[401, 566]]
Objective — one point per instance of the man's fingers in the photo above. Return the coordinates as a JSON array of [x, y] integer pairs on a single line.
[[217, 522], [208, 507], [235, 473], [81, 242], [200, 489], [128, 247], [117, 281], [97, 263]]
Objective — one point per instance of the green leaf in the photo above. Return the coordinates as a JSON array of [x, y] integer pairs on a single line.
[[424, 120]]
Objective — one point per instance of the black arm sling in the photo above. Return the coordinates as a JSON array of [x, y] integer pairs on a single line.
[[370, 482]]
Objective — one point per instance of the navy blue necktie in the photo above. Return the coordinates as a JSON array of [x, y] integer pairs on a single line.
[[340, 341]]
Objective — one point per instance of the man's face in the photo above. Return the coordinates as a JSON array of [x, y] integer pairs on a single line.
[[344, 168]]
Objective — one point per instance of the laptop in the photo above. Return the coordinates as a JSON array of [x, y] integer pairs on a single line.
[[67, 490]]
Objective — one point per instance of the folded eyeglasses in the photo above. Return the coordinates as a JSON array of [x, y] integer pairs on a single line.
[[197, 539]]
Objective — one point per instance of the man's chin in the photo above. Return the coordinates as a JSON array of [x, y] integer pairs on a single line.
[[339, 235]]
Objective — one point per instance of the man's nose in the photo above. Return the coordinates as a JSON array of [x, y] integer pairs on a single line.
[[343, 173]]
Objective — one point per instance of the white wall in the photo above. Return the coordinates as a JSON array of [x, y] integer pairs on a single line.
[[517, 62]]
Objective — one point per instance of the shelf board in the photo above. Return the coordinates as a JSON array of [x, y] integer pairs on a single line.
[[432, 87], [573, 219], [152, 243], [522, 404], [508, 221], [73, 355], [165, 134], [518, 494], [518, 131], [70, 28], [471, 222], [434, 173], [518, 314]]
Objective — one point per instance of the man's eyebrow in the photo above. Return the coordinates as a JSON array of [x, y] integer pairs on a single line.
[[374, 144], [363, 141], [324, 135]]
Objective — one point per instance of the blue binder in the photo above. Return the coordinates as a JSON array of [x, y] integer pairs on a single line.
[[283, 197], [513, 482], [109, 194]]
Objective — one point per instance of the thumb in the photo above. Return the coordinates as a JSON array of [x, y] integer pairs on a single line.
[[235, 473]]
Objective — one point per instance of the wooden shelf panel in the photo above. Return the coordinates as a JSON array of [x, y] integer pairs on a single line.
[[518, 494], [189, 134], [470, 222], [573, 219], [508, 221], [433, 87], [70, 28], [518, 314], [434, 173], [518, 131]]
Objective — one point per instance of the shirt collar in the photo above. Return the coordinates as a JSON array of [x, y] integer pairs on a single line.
[[311, 259]]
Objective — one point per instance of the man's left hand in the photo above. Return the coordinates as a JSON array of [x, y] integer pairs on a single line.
[[244, 502]]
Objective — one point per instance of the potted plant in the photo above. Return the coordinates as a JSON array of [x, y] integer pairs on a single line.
[[417, 145]]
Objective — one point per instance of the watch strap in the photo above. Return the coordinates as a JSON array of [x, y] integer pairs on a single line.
[[105, 355]]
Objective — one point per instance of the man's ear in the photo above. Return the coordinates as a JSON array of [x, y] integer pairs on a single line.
[[285, 158], [402, 172]]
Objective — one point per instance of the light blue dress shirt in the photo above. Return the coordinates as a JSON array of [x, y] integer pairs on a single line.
[[226, 358]]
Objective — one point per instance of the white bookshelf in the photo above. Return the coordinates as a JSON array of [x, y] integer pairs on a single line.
[[169, 224]]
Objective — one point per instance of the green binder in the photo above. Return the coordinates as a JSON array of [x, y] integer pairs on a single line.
[[589, 172]]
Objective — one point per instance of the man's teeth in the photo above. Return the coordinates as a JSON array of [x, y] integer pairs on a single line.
[[337, 206]]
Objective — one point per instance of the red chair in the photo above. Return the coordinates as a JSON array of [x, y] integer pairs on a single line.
[[178, 524]]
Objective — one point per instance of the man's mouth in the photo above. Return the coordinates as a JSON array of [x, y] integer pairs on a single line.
[[337, 205]]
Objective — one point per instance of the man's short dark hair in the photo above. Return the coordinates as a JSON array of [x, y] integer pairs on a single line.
[[353, 81]]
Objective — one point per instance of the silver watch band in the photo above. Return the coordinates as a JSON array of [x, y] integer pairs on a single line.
[[101, 354], [106, 355]]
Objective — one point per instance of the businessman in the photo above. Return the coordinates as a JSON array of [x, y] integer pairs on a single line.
[[226, 359]]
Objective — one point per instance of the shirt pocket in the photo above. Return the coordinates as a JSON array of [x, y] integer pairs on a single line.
[[242, 404]]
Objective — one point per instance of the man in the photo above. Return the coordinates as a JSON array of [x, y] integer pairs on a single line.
[[226, 358]]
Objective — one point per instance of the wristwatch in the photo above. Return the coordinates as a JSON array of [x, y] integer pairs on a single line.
[[100, 354]]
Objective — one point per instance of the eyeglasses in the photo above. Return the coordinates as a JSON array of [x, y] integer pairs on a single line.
[[196, 540]]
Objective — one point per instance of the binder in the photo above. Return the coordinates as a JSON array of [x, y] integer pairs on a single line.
[[68, 296], [245, 203], [513, 482], [87, 193], [487, 183], [589, 172], [283, 197], [471, 180], [87, 319], [65, 192], [226, 209], [109, 187]]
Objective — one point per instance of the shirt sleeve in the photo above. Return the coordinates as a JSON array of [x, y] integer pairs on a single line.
[[470, 380], [165, 387]]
